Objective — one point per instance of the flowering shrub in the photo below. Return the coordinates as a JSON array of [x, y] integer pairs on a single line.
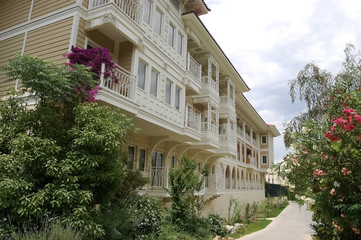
[[326, 165], [92, 58]]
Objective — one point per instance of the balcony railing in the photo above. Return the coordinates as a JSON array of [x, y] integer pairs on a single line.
[[123, 84], [130, 7], [240, 131], [227, 102], [159, 177], [194, 67], [210, 86], [193, 119]]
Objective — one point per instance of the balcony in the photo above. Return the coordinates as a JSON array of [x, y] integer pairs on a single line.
[[209, 86], [240, 131], [159, 177], [228, 142], [227, 105], [118, 19], [193, 75], [129, 7], [210, 133], [123, 85], [193, 120]]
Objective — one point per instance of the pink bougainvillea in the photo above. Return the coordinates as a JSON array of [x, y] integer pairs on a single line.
[[93, 58]]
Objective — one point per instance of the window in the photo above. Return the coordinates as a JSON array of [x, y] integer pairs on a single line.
[[177, 98], [146, 11], [168, 92], [142, 158], [180, 43], [131, 157], [158, 18], [154, 83], [141, 74], [264, 159], [263, 139], [172, 161], [157, 160], [175, 3], [171, 35]]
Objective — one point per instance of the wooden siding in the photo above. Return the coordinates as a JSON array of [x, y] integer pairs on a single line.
[[8, 49], [85, 3], [13, 12], [80, 41], [50, 42], [42, 7], [125, 55], [101, 39]]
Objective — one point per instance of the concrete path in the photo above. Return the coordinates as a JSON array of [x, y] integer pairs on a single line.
[[292, 224]]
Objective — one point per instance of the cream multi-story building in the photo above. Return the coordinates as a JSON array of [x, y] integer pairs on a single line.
[[176, 84]]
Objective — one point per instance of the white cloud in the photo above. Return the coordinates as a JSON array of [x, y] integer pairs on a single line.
[[269, 42]]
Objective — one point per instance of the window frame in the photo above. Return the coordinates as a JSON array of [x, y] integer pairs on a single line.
[[180, 38], [177, 97], [145, 74], [152, 87], [158, 29], [171, 38], [168, 93], [263, 158], [264, 137], [145, 160], [149, 11], [131, 161], [174, 4]]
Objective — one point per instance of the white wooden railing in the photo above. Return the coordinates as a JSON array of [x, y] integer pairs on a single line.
[[123, 83], [240, 131], [193, 119], [159, 177], [130, 7], [210, 86], [194, 67], [225, 100]]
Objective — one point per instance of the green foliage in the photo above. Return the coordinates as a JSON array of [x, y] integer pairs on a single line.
[[184, 182], [53, 231], [136, 217], [325, 166], [61, 157]]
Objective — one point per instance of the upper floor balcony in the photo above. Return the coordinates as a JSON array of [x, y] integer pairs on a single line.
[[118, 19], [227, 105], [210, 133], [210, 87], [228, 142], [193, 74], [192, 119], [124, 86]]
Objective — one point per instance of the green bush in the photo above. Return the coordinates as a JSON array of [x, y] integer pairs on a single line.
[[55, 231], [137, 217]]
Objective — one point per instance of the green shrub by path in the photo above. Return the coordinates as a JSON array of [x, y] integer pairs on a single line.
[[250, 228], [55, 231]]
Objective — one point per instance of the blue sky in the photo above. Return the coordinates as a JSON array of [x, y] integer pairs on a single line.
[[269, 42]]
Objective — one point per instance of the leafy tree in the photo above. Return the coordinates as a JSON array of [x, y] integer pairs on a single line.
[[61, 157], [325, 166], [184, 182]]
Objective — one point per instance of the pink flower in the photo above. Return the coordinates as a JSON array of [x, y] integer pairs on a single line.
[[333, 191], [345, 171], [318, 172], [356, 230]]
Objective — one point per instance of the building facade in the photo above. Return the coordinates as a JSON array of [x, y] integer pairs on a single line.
[[176, 84]]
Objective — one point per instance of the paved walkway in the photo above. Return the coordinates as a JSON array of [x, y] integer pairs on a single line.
[[293, 223]]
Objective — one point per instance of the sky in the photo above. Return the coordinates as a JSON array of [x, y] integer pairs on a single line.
[[269, 42]]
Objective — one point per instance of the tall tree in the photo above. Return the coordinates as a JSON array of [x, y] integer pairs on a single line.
[[61, 156]]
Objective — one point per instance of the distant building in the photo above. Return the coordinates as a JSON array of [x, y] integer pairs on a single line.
[[176, 84]]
